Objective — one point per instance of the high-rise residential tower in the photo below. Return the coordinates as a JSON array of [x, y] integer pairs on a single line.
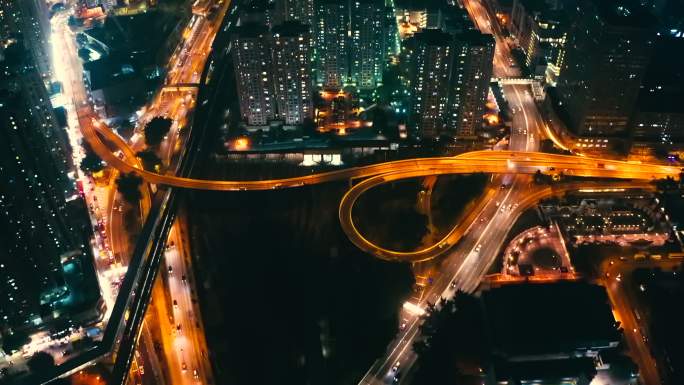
[[606, 56], [431, 73], [331, 48], [390, 42], [28, 21], [292, 71], [367, 54], [254, 73], [295, 10], [470, 77], [38, 229], [450, 81]]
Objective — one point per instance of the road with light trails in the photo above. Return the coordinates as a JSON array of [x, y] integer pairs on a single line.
[[69, 70], [184, 350], [479, 239], [196, 47], [635, 324], [465, 265], [495, 162]]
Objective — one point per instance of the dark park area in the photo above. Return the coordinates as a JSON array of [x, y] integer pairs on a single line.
[[286, 298]]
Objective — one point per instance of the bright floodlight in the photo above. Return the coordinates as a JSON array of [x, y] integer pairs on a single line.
[[413, 308]]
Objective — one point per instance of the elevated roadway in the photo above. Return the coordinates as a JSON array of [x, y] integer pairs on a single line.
[[496, 162]]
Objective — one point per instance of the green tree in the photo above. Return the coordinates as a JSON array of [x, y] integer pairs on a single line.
[[156, 129], [380, 120], [14, 341], [149, 159], [125, 129], [40, 363], [129, 186], [452, 337], [84, 54], [91, 162], [308, 127]]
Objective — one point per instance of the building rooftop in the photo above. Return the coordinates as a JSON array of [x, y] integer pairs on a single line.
[[421, 4], [475, 37], [111, 70], [532, 6], [291, 28], [251, 29], [543, 319], [624, 13], [554, 371], [433, 37], [663, 85]]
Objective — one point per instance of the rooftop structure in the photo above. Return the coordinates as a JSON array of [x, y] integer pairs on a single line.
[[552, 321]]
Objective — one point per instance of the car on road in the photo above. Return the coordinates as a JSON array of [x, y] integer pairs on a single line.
[[195, 374], [170, 270], [184, 367], [397, 378], [175, 304], [183, 279]]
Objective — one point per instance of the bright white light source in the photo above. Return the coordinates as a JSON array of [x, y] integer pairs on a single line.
[[413, 308]]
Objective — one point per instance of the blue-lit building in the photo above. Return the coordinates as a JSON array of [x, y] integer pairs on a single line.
[[44, 227], [366, 48], [331, 56]]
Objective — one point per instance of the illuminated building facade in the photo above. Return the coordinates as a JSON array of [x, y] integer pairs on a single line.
[[606, 56], [450, 81], [659, 117], [292, 71], [253, 73], [541, 31], [331, 55], [258, 12], [470, 76], [27, 21], [367, 54], [39, 228], [390, 41], [431, 73], [295, 10]]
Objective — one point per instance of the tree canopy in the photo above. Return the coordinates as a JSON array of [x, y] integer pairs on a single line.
[[129, 186], [156, 129], [91, 162], [149, 159], [14, 341]]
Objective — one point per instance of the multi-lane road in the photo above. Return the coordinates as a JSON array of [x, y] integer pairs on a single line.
[[173, 310], [480, 238], [185, 67], [496, 162], [464, 265]]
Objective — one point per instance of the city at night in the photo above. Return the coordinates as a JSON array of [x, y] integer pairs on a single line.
[[341, 192]]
